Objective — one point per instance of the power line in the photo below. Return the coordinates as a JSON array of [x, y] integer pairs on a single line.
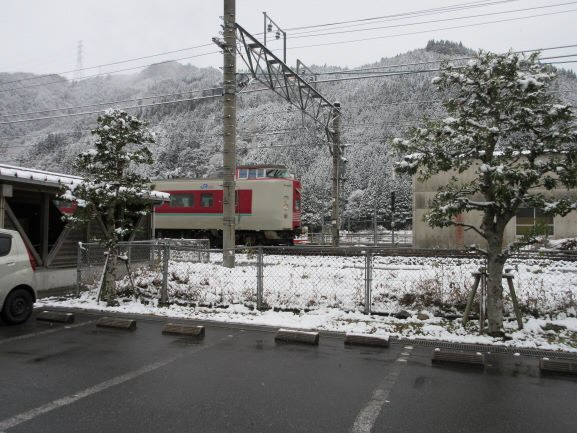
[[64, 80], [388, 74], [154, 104], [407, 17], [431, 21], [403, 14], [107, 64], [431, 30], [253, 91], [355, 70], [438, 10], [112, 102], [212, 89]]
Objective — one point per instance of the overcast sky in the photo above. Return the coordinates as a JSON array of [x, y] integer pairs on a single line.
[[42, 36]]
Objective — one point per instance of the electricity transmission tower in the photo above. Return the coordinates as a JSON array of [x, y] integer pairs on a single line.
[[79, 74]]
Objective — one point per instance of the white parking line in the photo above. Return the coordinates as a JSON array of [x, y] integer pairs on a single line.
[[69, 399], [49, 331], [368, 415]]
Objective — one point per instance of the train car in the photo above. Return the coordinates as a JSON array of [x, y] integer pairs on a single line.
[[268, 207]]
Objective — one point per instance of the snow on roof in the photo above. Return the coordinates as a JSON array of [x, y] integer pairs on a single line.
[[51, 179], [13, 173]]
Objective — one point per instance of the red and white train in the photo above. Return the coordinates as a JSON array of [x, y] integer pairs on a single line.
[[268, 207]]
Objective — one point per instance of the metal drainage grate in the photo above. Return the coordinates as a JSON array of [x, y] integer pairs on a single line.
[[116, 322], [55, 316], [474, 359], [290, 336], [558, 366], [484, 348], [367, 340], [188, 330]]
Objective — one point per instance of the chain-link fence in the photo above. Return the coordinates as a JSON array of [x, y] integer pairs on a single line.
[[373, 280], [402, 238], [135, 256]]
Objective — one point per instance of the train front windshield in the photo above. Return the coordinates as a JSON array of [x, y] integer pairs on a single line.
[[279, 173]]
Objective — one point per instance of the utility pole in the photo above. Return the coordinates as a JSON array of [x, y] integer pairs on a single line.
[[229, 131], [375, 232], [336, 148], [392, 217]]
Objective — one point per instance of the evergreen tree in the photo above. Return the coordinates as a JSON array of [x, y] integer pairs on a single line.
[[112, 189], [510, 132]]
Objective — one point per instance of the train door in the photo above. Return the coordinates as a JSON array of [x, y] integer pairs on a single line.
[[296, 205]]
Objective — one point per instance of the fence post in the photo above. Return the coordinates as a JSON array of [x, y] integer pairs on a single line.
[[259, 278], [164, 289], [368, 280], [78, 269]]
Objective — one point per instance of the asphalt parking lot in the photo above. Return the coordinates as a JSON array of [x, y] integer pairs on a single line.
[[83, 378]]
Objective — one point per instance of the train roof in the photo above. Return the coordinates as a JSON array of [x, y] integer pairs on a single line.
[[262, 166]]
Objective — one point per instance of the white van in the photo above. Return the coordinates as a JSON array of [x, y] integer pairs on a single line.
[[17, 280]]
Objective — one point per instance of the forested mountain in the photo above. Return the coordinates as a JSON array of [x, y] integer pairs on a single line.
[[189, 134]]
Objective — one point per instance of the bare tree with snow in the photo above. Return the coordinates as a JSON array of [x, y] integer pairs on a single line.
[[112, 188], [504, 126]]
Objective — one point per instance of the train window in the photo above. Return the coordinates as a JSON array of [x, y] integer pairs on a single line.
[[297, 204], [206, 199], [181, 200], [261, 173], [252, 173], [243, 173], [277, 173]]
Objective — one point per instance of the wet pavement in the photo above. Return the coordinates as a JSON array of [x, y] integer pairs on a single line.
[[82, 378]]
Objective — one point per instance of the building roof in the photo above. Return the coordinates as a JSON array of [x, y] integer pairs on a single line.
[[13, 174]]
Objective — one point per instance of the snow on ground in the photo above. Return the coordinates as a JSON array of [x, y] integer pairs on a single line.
[[327, 293], [332, 319]]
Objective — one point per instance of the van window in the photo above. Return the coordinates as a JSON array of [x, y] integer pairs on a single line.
[[5, 244]]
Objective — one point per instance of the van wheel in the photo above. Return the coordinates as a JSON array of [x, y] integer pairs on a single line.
[[17, 307]]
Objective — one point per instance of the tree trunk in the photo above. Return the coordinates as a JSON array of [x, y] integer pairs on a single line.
[[495, 264], [111, 269], [110, 278]]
